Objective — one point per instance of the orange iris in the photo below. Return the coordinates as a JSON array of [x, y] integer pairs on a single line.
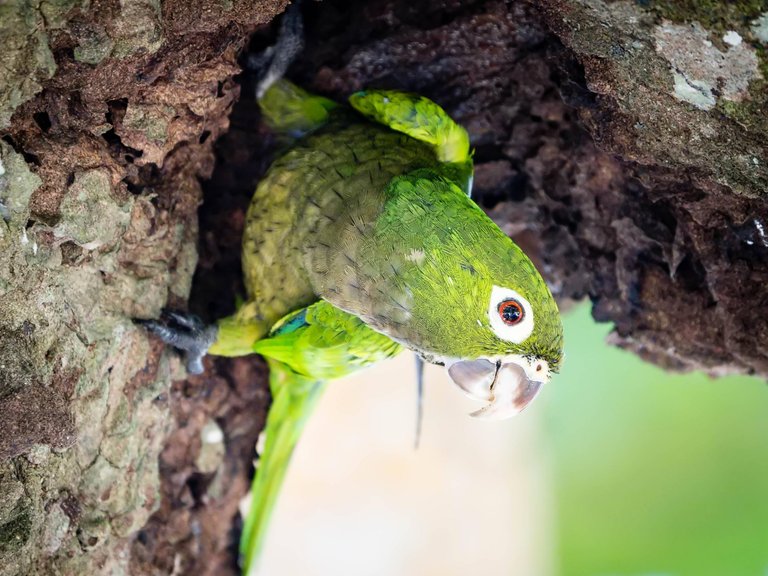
[[511, 312]]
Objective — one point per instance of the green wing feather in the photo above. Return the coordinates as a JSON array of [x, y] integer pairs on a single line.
[[305, 350], [416, 116], [422, 120]]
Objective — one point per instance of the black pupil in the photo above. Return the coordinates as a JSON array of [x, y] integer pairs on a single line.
[[511, 313]]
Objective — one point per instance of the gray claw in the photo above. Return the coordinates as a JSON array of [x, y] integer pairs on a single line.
[[186, 320], [290, 43], [185, 332], [259, 62]]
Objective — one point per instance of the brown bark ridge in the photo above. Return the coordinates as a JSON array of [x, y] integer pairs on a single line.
[[623, 144], [109, 115]]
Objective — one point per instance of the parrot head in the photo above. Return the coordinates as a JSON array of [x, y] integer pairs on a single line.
[[506, 341], [521, 345], [473, 301]]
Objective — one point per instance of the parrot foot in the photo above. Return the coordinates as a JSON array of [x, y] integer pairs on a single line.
[[274, 62], [186, 332]]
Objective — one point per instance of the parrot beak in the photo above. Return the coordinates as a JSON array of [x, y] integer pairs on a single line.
[[506, 386]]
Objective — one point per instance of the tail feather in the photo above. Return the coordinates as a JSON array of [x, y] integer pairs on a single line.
[[294, 398]]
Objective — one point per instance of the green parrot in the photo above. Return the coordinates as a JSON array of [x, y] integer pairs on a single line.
[[360, 241]]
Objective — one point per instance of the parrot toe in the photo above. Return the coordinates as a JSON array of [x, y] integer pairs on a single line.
[[185, 332], [273, 63]]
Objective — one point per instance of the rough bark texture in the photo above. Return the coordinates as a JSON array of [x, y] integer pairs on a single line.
[[100, 185], [623, 144]]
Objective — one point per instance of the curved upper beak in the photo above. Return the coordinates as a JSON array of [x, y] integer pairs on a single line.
[[505, 386]]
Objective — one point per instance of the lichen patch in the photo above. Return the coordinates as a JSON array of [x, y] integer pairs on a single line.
[[17, 183], [760, 28], [732, 38], [693, 91], [89, 215], [701, 71]]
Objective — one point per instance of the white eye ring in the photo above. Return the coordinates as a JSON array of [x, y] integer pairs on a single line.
[[516, 333]]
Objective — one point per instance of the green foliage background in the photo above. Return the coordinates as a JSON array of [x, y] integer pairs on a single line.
[[655, 473]]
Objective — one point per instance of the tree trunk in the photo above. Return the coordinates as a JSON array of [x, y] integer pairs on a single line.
[[622, 144]]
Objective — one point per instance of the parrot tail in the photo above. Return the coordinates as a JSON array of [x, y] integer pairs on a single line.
[[294, 398]]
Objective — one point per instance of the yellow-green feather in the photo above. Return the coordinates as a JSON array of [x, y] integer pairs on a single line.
[[419, 263], [416, 116]]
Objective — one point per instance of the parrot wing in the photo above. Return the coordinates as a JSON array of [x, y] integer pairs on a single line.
[[305, 350], [416, 116], [422, 120]]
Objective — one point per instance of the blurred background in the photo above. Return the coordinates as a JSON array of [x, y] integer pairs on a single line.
[[617, 469]]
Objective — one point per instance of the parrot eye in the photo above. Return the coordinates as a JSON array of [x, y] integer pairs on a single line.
[[511, 312], [510, 315]]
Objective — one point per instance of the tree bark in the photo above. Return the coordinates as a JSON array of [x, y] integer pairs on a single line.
[[622, 144]]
